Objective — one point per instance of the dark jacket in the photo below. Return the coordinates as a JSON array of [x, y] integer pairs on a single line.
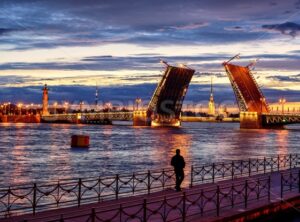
[[178, 162]]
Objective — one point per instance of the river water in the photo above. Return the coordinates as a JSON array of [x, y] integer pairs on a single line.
[[39, 152]]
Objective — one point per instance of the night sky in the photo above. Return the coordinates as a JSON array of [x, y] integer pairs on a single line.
[[75, 45]]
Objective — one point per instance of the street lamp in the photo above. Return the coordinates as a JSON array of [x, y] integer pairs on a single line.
[[55, 105], [20, 108], [31, 108], [138, 101], [66, 104], [81, 106], [282, 102], [8, 108], [262, 101], [108, 106]]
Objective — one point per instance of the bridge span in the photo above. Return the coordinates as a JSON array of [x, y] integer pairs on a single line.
[[254, 109], [164, 108], [88, 118]]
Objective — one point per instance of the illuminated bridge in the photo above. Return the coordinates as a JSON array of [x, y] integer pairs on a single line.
[[165, 105], [88, 118], [163, 110], [254, 109]]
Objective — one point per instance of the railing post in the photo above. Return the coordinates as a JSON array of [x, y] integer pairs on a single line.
[[290, 161], [264, 165], [93, 215], [117, 186], [246, 193], [183, 207], [8, 201], [192, 176], [34, 199], [145, 210], [133, 185], [249, 165], [148, 182], [242, 167], [163, 179], [232, 170], [218, 200], [278, 162], [213, 172], [79, 192]]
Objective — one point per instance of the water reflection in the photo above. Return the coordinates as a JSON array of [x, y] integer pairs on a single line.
[[282, 141], [42, 151]]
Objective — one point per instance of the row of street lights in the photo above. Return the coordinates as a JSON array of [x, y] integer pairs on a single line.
[[282, 101]]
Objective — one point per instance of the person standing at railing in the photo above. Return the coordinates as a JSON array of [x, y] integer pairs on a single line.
[[178, 163]]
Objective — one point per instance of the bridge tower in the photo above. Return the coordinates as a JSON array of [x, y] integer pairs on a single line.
[[45, 111], [164, 108]]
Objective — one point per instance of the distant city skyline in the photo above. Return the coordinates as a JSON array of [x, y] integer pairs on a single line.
[[74, 45]]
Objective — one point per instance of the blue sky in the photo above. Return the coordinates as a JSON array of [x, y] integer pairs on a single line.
[[73, 45]]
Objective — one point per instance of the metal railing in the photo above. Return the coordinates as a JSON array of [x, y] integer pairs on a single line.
[[32, 198], [210, 201], [289, 181], [240, 168]]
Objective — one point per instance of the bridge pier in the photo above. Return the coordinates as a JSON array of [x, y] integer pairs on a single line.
[[251, 120], [140, 118]]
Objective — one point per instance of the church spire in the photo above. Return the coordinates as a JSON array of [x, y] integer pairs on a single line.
[[211, 88], [96, 97], [211, 103]]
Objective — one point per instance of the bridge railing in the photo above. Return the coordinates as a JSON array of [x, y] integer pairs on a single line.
[[210, 201], [36, 197]]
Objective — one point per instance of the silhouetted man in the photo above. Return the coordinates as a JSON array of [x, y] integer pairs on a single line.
[[178, 163]]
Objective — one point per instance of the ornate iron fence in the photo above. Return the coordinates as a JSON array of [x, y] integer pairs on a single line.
[[64, 193], [179, 207], [289, 181], [239, 168]]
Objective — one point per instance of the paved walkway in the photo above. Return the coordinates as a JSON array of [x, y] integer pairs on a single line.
[[205, 202]]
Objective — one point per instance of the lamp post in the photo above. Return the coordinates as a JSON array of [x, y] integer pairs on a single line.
[[31, 108], [81, 106], [20, 108], [138, 101], [262, 100], [108, 106], [282, 102], [66, 104], [55, 106], [4, 108], [8, 108]]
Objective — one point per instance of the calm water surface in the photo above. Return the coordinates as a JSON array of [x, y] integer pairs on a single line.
[[30, 152]]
